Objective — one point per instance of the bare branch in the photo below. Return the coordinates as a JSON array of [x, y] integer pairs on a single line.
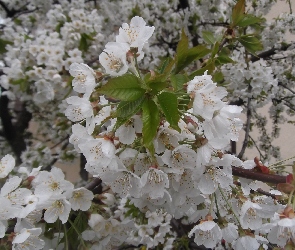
[[250, 174], [247, 129]]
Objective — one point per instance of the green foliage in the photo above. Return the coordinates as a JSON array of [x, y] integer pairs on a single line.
[[79, 225], [85, 42], [249, 20], [251, 43], [169, 106], [238, 13], [151, 120], [178, 81], [210, 66], [185, 56], [3, 44], [125, 88], [157, 83], [23, 83], [208, 37], [126, 109]]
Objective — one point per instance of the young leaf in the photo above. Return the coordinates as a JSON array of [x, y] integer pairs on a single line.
[[166, 65], [223, 59], [215, 49], [249, 20], [169, 106], [126, 109], [238, 12], [125, 88], [210, 67], [158, 83], [181, 51], [196, 53], [251, 43], [208, 37], [151, 120], [178, 81]]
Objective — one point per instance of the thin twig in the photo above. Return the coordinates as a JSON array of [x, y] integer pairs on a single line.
[[286, 87], [256, 146]]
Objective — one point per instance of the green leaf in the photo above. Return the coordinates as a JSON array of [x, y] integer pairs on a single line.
[[251, 43], [3, 44], [77, 227], [23, 83], [157, 86], [169, 106], [248, 20], [85, 42], [210, 66], [208, 37], [151, 120], [191, 54], [166, 65], [158, 83], [215, 49], [178, 81], [181, 51], [126, 109], [196, 53], [218, 77], [223, 60], [238, 12], [125, 88]]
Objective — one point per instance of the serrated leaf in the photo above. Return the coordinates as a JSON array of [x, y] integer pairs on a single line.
[[178, 81], [251, 43], [238, 12], [158, 83], [150, 120], [169, 106], [126, 109], [125, 88], [166, 65], [208, 37], [248, 20]]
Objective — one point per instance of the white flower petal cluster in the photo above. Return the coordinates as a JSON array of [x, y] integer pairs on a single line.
[[114, 57]]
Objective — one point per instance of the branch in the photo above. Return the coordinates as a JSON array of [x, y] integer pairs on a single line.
[[94, 183], [269, 53], [14, 132], [247, 129], [286, 87], [83, 171], [250, 174], [9, 12]]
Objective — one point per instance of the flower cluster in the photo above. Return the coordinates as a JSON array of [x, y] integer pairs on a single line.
[[154, 124]]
